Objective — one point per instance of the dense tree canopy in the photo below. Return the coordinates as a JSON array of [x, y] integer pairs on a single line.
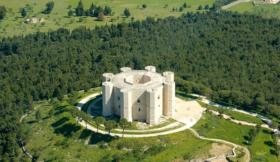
[[229, 57]]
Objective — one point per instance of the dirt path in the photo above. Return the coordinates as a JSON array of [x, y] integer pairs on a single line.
[[247, 152], [240, 121], [25, 151], [234, 3]]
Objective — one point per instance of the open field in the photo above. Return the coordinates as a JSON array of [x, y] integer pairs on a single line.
[[14, 24], [265, 10], [214, 127]]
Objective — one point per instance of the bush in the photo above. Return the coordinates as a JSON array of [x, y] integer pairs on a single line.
[[3, 12], [126, 12], [49, 7]]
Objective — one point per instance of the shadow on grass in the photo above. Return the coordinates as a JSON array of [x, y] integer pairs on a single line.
[[269, 143], [67, 129], [60, 109], [273, 152], [266, 131], [85, 134], [31, 121], [100, 138], [60, 122], [185, 95]]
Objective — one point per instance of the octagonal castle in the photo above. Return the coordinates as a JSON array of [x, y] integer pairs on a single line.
[[139, 95]]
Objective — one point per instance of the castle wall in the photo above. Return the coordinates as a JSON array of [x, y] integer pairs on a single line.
[[139, 106], [154, 99], [118, 105]]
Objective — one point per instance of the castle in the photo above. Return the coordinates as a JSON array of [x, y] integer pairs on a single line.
[[139, 95]]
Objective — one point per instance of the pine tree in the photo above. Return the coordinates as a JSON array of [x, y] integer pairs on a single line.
[[126, 12], [80, 9], [49, 7], [91, 10], [23, 12], [107, 11]]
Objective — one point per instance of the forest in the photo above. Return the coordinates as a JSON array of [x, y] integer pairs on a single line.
[[231, 58]]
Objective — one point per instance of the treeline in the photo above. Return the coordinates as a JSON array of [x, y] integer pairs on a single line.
[[229, 57]]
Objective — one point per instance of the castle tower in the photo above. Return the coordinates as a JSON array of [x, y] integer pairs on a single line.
[[150, 68], [107, 96], [168, 94]]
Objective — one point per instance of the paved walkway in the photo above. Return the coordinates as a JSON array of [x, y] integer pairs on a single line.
[[86, 99], [234, 3], [90, 127], [171, 125]]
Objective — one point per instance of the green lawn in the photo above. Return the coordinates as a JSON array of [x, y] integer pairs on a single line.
[[234, 114], [266, 10], [14, 24], [242, 7], [262, 147], [215, 127], [58, 137]]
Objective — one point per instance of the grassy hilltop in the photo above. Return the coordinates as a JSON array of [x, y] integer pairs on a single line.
[[13, 24]]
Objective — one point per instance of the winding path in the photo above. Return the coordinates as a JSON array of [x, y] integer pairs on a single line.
[[247, 152]]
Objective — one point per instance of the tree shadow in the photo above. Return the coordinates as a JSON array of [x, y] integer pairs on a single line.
[[60, 122], [273, 152], [31, 122], [99, 138], [266, 131], [85, 134], [186, 95], [269, 143], [60, 109], [67, 129]]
